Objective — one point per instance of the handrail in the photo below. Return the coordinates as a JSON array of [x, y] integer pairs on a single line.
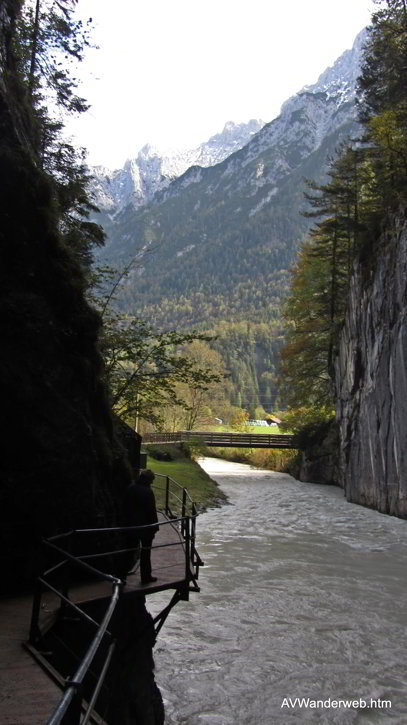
[[72, 699], [184, 499], [72, 702], [98, 687], [74, 685], [188, 508], [82, 564]]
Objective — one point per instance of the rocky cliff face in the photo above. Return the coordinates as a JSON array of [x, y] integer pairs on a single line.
[[318, 463], [371, 381]]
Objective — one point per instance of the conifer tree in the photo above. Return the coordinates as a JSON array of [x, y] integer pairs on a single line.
[[315, 309], [368, 180], [383, 102], [49, 42]]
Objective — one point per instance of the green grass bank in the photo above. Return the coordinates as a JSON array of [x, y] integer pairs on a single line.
[[178, 462]]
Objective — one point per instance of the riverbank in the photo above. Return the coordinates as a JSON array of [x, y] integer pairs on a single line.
[[178, 462], [185, 455], [270, 459]]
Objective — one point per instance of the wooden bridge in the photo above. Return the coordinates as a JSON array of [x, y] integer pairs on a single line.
[[223, 440], [61, 673]]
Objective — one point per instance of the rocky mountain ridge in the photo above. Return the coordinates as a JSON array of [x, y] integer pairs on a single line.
[[221, 239], [153, 170], [325, 105]]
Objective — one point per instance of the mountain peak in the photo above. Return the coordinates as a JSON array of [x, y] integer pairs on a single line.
[[341, 78], [227, 234], [148, 151], [152, 170]]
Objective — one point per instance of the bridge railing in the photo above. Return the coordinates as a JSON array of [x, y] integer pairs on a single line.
[[223, 439]]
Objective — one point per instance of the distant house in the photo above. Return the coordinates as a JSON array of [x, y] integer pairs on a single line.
[[273, 420], [209, 420]]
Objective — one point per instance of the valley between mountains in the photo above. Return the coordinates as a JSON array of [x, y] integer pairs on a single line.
[[212, 233]]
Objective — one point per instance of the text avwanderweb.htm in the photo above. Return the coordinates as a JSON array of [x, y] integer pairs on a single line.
[[307, 702]]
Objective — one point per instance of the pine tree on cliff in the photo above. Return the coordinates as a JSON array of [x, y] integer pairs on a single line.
[[316, 306], [49, 42], [383, 102], [368, 182]]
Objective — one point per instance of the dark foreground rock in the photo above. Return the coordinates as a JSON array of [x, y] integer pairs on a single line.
[[135, 698], [318, 461], [61, 465]]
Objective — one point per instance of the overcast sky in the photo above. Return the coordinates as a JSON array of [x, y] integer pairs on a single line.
[[172, 72]]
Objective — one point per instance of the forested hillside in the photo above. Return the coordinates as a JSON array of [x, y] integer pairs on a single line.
[[208, 256], [250, 351]]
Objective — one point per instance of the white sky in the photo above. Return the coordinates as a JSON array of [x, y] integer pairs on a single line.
[[172, 72]]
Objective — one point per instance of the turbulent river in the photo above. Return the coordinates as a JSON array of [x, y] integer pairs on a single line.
[[303, 595]]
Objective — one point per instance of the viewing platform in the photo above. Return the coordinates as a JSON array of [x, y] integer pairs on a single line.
[[56, 646]]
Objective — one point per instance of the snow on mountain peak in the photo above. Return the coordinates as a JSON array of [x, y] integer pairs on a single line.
[[324, 104], [149, 151], [340, 79], [153, 170]]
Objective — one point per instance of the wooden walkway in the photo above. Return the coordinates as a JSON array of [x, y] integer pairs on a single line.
[[168, 565], [28, 694], [167, 560], [223, 440]]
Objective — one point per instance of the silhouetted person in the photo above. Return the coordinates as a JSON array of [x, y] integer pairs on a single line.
[[140, 510]]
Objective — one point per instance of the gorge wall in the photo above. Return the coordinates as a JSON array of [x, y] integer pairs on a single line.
[[63, 461], [371, 379], [62, 464]]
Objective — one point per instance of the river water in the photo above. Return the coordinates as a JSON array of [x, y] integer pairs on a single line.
[[303, 595]]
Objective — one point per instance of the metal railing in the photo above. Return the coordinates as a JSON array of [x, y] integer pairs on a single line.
[[177, 503], [73, 707]]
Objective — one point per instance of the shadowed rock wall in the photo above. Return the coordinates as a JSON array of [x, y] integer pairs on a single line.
[[318, 463], [371, 380], [61, 464]]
